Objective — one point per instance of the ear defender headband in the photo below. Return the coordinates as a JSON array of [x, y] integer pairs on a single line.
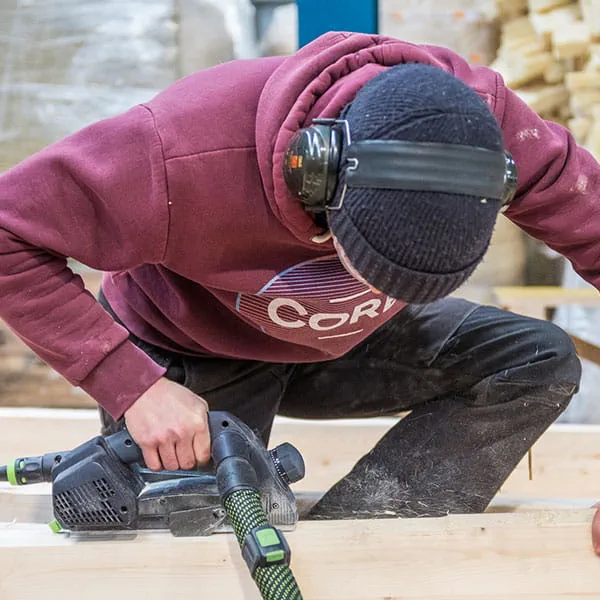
[[312, 166]]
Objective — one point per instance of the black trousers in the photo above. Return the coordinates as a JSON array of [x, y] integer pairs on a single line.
[[481, 385]]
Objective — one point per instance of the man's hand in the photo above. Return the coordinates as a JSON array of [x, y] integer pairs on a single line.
[[170, 424]]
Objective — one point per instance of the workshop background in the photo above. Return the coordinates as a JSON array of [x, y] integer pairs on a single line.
[[67, 63]]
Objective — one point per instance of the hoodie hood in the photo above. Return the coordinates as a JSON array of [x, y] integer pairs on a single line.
[[318, 82]]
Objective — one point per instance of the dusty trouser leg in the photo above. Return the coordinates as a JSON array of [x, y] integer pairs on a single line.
[[482, 391]]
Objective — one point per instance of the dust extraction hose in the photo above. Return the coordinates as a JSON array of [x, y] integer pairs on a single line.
[[246, 513]]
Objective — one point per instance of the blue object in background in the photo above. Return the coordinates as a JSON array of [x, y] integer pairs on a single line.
[[316, 17]]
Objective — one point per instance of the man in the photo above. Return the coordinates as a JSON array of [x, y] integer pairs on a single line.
[[225, 291]]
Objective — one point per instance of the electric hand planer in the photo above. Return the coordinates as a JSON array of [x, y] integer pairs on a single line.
[[103, 485]]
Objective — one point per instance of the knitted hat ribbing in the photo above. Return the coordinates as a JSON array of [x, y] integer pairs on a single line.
[[417, 246]]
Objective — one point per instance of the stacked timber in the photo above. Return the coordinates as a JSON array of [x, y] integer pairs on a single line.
[[27, 381], [550, 55], [469, 27]]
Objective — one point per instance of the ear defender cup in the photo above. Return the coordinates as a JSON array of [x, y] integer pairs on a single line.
[[312, 166], [312, 163]]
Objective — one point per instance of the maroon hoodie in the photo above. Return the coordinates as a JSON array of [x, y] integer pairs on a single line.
[[183, 203]]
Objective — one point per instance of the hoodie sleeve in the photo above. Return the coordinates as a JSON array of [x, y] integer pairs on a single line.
[[558, 194], [558, 198], [99, 197]]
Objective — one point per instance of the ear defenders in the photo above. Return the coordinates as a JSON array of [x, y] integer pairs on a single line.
[[313, 165]]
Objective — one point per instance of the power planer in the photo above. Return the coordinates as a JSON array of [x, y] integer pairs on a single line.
[[103, 486]]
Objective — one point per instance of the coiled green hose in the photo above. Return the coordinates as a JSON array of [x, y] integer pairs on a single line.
[[245, 512]]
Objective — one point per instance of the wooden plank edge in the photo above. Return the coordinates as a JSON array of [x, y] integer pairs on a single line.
[[33, 504], [489, 557]]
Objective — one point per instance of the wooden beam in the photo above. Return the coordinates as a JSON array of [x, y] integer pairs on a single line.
[[30, 504], [544, 99], [572, 41], [32, 431], [580, 81], [581, 128], [566, 460], [526, 70], [486, 557], [543, 6], [536, 301], [33, 504], [586, 349], [549, 294]]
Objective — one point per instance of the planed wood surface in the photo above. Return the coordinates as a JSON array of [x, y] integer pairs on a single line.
[[33, 504], [566, 460], [519, 550], [534, 301], [545, 555]]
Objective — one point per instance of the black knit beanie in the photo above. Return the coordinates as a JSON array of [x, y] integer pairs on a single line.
[[418, 246]]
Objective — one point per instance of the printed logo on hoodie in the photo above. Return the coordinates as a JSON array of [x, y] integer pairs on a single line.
[[315, 299]]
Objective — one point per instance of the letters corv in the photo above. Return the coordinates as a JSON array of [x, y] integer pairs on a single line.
[[326, 321]]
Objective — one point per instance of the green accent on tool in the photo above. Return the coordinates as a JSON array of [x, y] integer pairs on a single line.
[[55, 526], [264, 548], [275, 556], [11, 474], [267, 537]]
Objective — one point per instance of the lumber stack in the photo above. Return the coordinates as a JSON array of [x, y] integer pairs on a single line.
[[550, 55], [27, 381], [469, 27]]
